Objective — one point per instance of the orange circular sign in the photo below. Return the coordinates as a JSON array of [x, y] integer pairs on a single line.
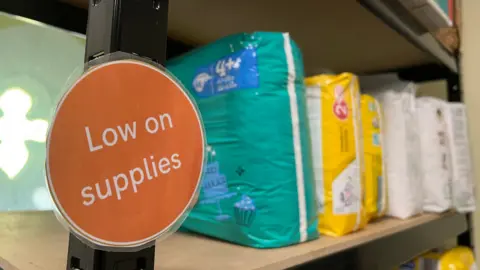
[[125, 154]]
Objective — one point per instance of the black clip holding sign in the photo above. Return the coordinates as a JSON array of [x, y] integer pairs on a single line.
[[138, 27], [83, 257], [132, 26]]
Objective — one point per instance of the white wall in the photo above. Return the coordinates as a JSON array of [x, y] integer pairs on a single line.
[[35, 61], [436, 89], [470, 48]]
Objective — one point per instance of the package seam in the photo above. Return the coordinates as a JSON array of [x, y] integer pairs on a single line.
[[296, 137]]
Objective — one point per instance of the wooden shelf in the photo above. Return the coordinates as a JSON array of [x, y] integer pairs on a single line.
[[339, 35], [37, 241]]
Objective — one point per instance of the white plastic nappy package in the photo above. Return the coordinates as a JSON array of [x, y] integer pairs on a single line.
[[463, 194], [401, 149], [435, 168]]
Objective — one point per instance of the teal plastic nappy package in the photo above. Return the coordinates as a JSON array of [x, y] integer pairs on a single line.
[[258, 189]]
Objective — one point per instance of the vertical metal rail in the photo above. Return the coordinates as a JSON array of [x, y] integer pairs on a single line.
[[140, 28]]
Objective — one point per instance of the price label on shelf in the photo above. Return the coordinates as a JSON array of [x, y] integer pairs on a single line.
[[125, 154]]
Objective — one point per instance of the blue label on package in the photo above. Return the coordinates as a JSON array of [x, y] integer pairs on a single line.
[[376, 139], [408, 266], [233, 72]]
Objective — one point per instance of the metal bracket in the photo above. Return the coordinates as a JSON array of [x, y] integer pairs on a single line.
[[424, 73], [454, 92], [133, 26], [83, 257], [454, 84]]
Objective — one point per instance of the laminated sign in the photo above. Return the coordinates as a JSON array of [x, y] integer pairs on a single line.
[[125, 154]]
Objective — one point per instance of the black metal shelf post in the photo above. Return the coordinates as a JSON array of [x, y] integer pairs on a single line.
[[139, 28]]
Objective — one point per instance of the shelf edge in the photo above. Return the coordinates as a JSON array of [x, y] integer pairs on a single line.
[[425, 42], [410, 243]]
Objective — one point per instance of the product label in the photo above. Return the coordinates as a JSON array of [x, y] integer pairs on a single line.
[[373, 161], [224, 203], [217, 194], [233, 72], [376, 139], [408, 266], [411, 137], [215, 190], [340, 107], [442, 139], [346, 192], [462, 173]]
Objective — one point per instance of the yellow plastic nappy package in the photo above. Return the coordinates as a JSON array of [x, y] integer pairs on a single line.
[[333, 104], [458, 258], [375, 184]]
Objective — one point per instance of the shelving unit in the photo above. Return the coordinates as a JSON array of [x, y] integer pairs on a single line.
[[372, 36], [37, 241]]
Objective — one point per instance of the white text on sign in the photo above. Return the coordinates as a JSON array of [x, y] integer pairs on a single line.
[[149, 168], [110, 135]]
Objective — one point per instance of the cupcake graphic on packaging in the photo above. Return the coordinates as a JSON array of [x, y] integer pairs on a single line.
[[245, 211]]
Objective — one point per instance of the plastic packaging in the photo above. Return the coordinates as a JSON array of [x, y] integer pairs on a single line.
[[435, 171], [401, 150], [375, 183], [334, 116], [414, 264], [259, 189], [458, 258], [463, 188]]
